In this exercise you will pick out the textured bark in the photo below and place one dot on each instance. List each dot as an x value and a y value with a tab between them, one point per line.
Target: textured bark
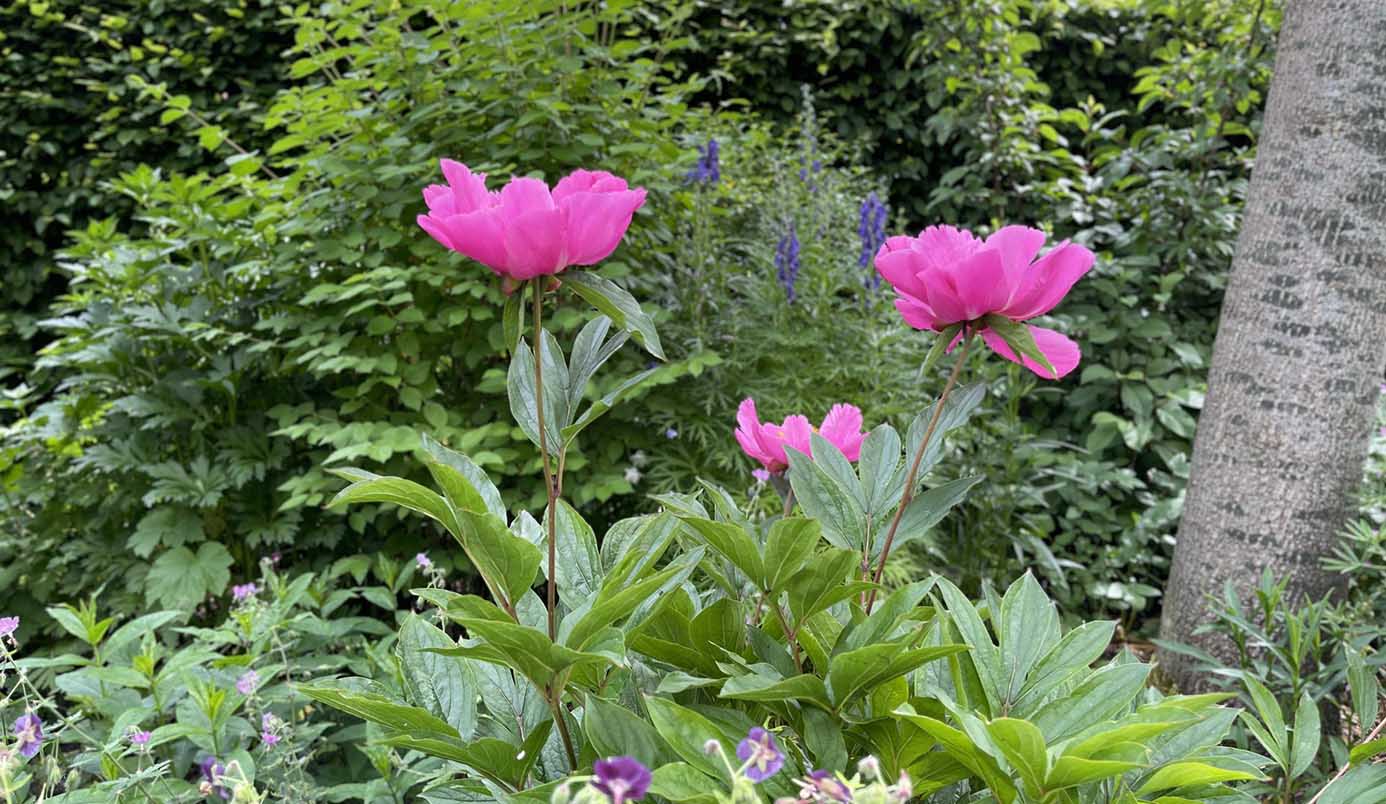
1299	352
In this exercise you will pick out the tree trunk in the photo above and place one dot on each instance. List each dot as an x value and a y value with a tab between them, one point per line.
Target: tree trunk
1293	385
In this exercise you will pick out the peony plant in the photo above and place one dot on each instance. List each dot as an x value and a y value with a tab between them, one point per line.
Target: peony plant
704	654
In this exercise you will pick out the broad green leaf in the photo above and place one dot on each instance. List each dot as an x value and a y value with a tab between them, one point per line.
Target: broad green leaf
1024	748
1275	736
489	757
441	684
790	544
823	582
1365	784
927	508
636	543
823	738
1074	654
479	487
983	654
614	302
1367	750
1362	683
1184	774
824	498
367	487
613	730
579	565
508	561
803	688
524	407
940	346
734	544
591	350
882	475
830	459
684	784
1070	771
962	748
1308	732
513	319
688	732
957	409
858	671
393	715
886	618
1029	627
615	602
526	650
1100	696
182	579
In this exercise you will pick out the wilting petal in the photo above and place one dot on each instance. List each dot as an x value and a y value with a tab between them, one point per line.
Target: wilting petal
468	189
901	267
535	244
842	427
915	312
1048	281
524	195
596	222
1018	246
1062	353
586	181
981	283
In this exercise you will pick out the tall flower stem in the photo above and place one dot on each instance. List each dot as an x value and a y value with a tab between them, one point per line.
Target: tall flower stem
550	486
908	494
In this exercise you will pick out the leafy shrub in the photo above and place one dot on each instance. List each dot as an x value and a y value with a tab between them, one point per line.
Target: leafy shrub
283	314
72	121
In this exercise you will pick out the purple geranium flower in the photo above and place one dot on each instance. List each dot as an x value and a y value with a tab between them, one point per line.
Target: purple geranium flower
423	560
29	729
761	756
248	682
761	475
622	779
212	773
823	785
8	625
242	591
140	738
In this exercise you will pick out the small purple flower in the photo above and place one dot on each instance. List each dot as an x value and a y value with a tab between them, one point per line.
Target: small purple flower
212	773
871	231
622	779
671	434
822	785
140	738
242	591
787	261
708	169
761	475
760	754
248	682
274	558
29	729
269	738
423	561
8	625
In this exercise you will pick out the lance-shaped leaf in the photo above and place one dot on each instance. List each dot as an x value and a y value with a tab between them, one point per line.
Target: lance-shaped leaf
367	487
526	650
520	388
466	485
614	302
732	543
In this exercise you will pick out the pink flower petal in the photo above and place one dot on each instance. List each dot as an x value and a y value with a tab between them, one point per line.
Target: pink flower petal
749	434
468	189
1018	246
535	243
1048	281
945	246
523	195
901	267
439	199
797	433
1062	353
915	312
943	297
478	235
584	181
436	230
596	222
981	283
842	427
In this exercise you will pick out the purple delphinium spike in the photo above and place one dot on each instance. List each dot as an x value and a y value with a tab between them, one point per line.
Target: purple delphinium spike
787	261
760	754
871	231
708	168
29	731
621	779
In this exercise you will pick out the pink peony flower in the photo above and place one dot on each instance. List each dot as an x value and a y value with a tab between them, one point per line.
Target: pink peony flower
766	442
524	230
947	276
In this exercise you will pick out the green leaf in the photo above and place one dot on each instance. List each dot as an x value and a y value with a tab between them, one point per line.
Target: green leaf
378	709
687	732
606	403
614	302
526	650
367	487
1023	745
478	494
1029	626
1365	784
940	346
1362	683
1074	654
513	319
856	672
791	544
733	543
1184	774
802	688
591	350
882	475
441	684
928	508
1099	697
509	562
170	526
1070	771
181	579
1019	338
1275	736
68	619
617	600
962	748
823	497
1308	733
520	388
579	565
613	730
494	759
1367	750
684	784
821	583
983	653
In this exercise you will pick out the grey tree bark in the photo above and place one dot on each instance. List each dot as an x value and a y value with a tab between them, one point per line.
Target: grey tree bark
1299	352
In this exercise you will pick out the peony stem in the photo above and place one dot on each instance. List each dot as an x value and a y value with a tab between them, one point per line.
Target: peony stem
552	490
908	493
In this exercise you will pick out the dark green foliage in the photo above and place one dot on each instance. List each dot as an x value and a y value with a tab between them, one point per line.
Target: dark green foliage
72	121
